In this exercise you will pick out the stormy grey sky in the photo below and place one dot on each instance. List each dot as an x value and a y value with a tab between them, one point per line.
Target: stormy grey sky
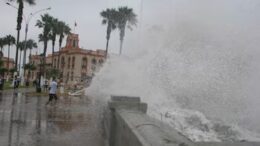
87	15
156	14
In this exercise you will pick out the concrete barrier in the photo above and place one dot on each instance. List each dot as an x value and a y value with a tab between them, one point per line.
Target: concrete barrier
126	124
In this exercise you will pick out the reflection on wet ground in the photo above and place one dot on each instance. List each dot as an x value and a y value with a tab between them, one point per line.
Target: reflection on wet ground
26	121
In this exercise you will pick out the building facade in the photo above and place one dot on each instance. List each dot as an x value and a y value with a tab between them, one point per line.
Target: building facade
74	63
8	64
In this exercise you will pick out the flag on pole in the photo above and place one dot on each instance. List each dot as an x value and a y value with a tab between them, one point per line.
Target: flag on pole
75	25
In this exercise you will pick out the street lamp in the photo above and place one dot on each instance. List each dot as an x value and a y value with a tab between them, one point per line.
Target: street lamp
27	21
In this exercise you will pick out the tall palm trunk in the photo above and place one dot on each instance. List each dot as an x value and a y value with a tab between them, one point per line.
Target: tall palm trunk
8	58
107	47
122	35
121	45
44	54
19	22
53	45
30	55
60	43
108	36
20	61
43	62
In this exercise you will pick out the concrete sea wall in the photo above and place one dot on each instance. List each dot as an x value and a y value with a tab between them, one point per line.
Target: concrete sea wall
127	124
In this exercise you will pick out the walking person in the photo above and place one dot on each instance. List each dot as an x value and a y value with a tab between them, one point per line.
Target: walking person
53	90
16	82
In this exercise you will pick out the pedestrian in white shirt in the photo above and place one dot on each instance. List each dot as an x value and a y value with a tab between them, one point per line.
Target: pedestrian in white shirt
53	90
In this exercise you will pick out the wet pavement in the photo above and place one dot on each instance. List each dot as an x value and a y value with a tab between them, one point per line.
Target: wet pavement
27	121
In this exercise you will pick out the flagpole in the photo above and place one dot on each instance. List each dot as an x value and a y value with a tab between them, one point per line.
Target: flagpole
75	25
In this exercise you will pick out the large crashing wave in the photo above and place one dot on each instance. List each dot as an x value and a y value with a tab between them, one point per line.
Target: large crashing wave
199	74
125	76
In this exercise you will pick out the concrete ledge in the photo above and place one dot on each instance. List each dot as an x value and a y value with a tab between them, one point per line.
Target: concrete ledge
126	124
130	103
125	98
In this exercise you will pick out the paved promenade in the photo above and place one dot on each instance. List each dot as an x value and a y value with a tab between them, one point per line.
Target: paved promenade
27	121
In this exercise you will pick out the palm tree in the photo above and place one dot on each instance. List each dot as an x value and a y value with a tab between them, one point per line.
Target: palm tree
63	29
109	19
46	24
2	43
29	67
27	45
126	17
19	22
10	40
30	45
54	32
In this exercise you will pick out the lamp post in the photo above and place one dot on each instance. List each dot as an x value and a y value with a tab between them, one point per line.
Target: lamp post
27	21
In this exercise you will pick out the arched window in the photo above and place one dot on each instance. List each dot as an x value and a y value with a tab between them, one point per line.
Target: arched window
73	61
84	63
68	76
55	61
74	43
72	75
69	62
62	62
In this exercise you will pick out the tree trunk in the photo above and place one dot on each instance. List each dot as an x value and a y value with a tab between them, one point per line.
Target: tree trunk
44	56
52	57
20	61
30	55
109	29
121	46
17	49
60	43
8	59
25	49
19	22
107	47
122	35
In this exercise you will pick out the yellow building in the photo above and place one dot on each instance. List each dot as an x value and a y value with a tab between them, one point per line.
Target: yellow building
74	63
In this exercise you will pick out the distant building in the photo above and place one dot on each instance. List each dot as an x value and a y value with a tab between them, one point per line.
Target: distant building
74	63
8	65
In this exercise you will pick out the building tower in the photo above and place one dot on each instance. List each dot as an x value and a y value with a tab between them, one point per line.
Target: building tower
73	41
